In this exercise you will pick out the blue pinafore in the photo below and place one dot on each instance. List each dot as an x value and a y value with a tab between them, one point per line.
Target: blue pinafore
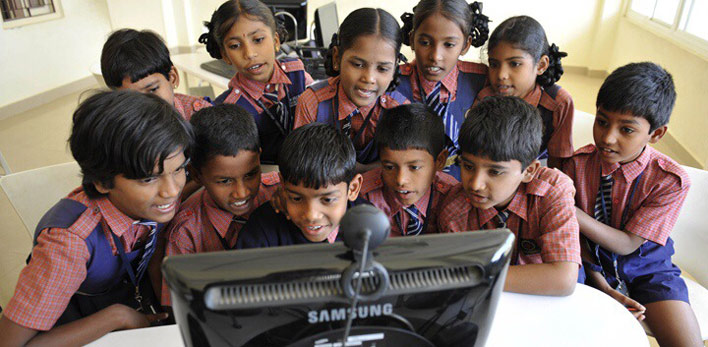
327	112
106	281
468	86
271	134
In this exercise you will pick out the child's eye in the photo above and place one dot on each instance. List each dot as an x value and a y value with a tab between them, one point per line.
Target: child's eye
423	42
251	174
388	167
235	46
415	167
495	172
258	39
450	44
493	64
627	130
357	65
224	181
600	122
149	179
153	90
515	64
468	167
328	201
294	198
384	69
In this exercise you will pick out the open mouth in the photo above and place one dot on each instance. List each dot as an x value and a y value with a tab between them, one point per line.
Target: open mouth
365	93
255	68
167	207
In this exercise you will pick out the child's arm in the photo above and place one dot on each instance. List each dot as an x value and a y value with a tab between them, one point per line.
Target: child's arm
596	280
79	332
306	109
617	241
542	279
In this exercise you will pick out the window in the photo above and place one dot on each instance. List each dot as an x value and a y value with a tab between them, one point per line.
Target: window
22	12
683	21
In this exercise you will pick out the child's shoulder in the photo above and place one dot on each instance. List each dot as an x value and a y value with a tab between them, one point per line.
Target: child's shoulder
663	164
197	103
270	179
444	182
472	67
455	195
372	181
393	99
549	180
554	97
291	64
322	90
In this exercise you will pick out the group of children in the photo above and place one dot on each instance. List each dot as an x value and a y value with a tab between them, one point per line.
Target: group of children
439	144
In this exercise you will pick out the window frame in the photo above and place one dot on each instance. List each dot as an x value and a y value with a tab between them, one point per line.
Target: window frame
671	31
16	23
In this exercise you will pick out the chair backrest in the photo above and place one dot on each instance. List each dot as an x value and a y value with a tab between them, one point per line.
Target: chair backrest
582	128
33	192
690	233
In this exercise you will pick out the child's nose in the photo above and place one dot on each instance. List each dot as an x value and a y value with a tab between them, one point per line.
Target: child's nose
170	187
436	53
312	213
477	182
240	191
402	178
367	75
249	52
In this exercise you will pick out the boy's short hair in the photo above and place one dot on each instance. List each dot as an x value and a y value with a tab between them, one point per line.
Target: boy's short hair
643	89
134	54
502	128
411	126
223	129
125	132
317	155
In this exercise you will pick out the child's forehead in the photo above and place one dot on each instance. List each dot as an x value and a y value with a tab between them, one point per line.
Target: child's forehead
152	78
622	117
247	25
243	159
486	161
373	48
302	189
404	155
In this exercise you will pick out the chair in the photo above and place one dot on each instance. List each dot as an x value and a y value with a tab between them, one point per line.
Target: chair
24	198
582	128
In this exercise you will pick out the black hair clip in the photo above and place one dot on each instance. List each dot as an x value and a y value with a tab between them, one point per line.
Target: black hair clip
479	24
554	52
402	58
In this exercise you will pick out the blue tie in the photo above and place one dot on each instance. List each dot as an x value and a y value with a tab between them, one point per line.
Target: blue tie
279	109
451	127
604	198
414	225
347	123
503	217
148	249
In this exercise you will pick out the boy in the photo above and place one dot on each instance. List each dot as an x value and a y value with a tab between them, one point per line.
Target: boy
409	186
75	289
504	186
629	197
319	181
140	61
226	161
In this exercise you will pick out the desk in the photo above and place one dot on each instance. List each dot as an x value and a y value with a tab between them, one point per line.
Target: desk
585	318
189	63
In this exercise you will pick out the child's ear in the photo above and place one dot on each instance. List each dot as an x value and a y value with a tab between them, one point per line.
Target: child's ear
335	58
542	65
441	160
468	44
657	134
530	171
173	77
101	188
276	39
355	187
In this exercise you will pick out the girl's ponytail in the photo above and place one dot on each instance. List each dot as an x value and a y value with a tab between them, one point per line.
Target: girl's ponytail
329	57
407	19
479	25
554	71
212	46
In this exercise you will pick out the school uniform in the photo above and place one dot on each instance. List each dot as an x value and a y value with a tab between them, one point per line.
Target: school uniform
556	108
83	250
266	228
326	102
451	99
186	105
272	104
402	217
201	226
644	197
541	215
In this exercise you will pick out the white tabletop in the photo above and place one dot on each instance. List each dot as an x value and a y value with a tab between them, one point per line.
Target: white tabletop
585	318
190	63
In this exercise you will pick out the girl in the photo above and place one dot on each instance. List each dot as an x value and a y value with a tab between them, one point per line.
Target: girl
439	32
363	59
521	63
244	34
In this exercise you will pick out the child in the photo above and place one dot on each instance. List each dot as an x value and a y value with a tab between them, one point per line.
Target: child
132	150
363	58
319	180
244	34
629	197
522	64
439	32
504	186
225	160
140	61
409	186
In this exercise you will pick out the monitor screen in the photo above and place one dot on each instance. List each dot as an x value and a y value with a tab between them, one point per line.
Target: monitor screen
442	291
326	24
298	9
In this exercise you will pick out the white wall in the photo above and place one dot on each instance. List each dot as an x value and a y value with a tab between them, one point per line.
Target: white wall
52	54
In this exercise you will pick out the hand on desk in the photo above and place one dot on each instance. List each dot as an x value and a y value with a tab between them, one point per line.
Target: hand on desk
132	319
598	281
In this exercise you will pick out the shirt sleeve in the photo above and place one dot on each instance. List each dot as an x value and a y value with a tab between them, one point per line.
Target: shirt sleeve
657	215
47	283
560	145
306	109
308	79
560	234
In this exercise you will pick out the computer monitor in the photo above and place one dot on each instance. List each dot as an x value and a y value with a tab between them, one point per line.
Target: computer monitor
326	24
442	291
297	8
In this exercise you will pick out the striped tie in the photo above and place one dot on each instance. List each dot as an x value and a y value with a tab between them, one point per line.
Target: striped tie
270	98
347	123
503	216
148	249
604	193
414	225
451	127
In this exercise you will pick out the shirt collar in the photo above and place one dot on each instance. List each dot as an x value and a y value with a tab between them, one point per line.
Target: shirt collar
519	203
449	82
220	219
255	89
534	96
396	206
346	106
630	170
117	221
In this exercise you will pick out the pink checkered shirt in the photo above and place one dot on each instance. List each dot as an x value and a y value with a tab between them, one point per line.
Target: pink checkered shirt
657	200
542	212
193	228
560	145
448	92
253	90
374	191
306	111
60	259
186	105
